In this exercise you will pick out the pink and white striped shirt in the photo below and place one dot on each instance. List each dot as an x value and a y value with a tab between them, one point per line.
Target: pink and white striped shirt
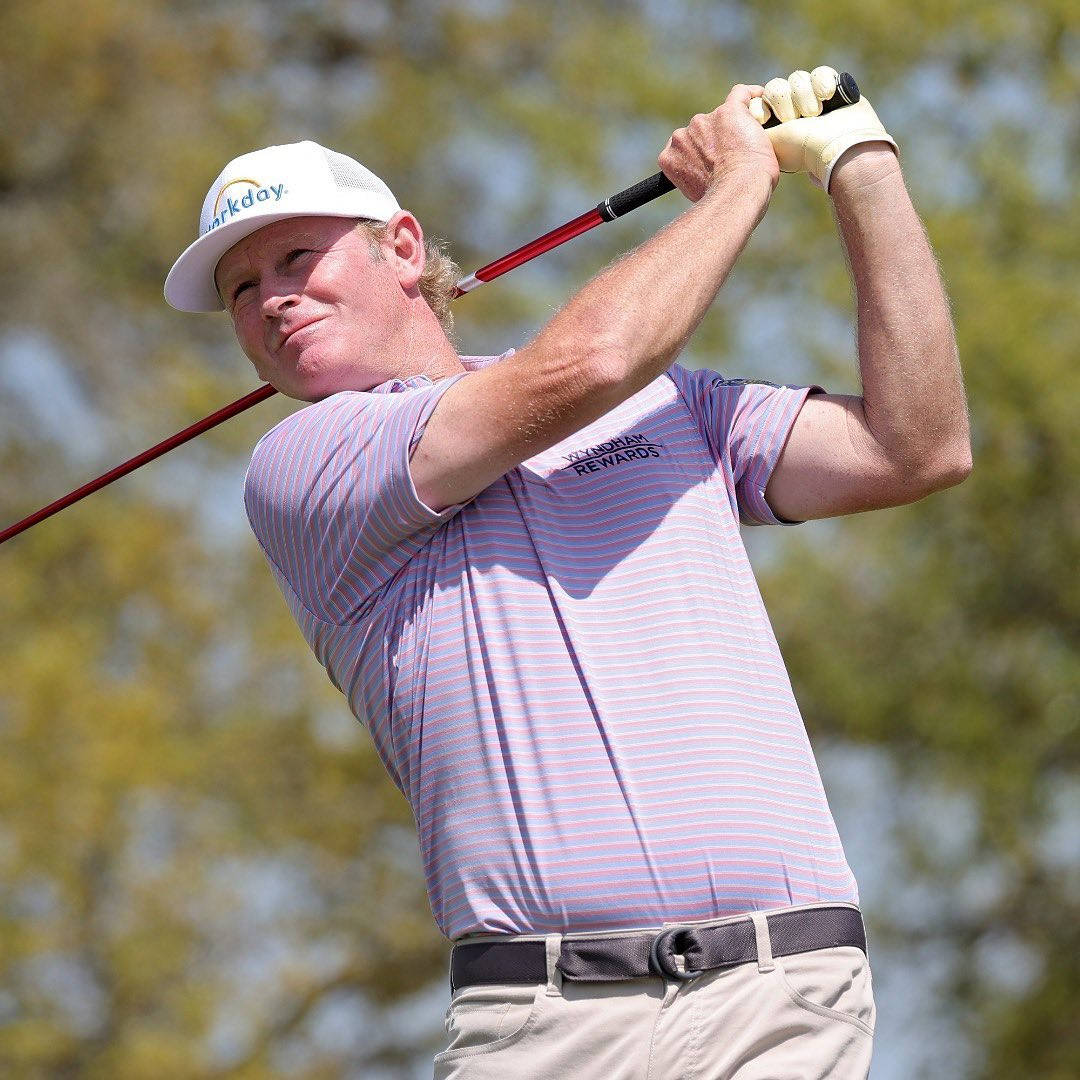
572	677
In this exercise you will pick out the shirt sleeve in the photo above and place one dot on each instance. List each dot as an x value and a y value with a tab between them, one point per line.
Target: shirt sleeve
331	500
745	425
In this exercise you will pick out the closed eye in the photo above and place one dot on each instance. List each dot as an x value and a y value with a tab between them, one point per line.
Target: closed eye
244	285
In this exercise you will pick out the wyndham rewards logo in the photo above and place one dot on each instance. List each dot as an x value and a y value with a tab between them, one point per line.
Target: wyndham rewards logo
617	451
227	205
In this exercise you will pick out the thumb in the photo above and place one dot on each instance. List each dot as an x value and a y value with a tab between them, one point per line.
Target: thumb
742	93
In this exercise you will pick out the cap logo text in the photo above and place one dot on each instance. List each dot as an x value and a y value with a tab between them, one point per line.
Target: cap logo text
225	205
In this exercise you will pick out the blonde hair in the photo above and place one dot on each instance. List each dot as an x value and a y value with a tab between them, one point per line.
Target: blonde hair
440	274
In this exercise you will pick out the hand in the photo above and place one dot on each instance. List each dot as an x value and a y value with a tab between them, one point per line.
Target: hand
806	140
716	145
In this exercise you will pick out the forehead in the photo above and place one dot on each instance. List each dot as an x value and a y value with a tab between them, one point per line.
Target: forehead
311	231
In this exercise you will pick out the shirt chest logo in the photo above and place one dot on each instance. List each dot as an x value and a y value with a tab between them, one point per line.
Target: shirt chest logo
622	451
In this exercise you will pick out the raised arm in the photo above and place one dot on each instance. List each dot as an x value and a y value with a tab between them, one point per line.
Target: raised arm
622	330
907	435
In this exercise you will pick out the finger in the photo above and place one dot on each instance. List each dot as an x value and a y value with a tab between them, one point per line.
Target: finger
759	109
778	95
823	79
802	94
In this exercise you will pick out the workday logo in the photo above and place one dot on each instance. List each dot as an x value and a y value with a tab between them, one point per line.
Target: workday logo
229	203
618	451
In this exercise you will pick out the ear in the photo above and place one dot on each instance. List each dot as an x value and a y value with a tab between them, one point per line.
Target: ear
403	248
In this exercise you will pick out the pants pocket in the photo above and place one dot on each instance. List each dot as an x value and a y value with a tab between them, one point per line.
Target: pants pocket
832	983
485	1019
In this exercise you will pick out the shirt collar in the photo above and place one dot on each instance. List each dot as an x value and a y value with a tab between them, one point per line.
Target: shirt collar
414	382
395	386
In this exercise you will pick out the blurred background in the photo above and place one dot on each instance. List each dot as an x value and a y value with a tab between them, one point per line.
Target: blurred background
204	871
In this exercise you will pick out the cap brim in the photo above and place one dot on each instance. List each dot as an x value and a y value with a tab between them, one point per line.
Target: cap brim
190	285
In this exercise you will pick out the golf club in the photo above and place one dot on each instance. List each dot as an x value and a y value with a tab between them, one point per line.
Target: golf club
615	206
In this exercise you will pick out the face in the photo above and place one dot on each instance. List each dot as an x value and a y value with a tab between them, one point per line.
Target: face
313	309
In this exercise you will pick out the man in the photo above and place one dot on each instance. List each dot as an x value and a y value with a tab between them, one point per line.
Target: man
526	575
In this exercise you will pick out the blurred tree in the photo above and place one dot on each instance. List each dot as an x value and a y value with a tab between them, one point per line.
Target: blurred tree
202	865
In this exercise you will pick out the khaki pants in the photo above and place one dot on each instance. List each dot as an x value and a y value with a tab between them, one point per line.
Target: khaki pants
799	1017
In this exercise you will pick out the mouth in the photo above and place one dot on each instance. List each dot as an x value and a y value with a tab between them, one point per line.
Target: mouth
287	336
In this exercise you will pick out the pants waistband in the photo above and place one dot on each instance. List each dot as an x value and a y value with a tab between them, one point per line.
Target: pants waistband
678	951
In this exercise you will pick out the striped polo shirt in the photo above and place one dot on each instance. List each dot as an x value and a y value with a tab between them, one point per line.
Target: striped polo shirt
572	677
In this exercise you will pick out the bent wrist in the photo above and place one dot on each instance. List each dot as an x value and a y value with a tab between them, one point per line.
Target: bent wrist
752	187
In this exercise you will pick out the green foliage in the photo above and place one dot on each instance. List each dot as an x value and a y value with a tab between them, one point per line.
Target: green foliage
199	851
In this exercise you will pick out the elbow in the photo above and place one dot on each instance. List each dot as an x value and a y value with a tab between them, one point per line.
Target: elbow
955	463
603	368
606	364
945	470
962	467
560	373
577	349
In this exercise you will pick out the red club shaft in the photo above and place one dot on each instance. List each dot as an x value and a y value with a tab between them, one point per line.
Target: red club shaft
132	464
529	251
486	273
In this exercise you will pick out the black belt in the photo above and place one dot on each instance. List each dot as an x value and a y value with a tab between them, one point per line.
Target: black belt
641	955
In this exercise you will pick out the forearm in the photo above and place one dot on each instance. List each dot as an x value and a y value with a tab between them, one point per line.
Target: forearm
913	392
623	329
634	317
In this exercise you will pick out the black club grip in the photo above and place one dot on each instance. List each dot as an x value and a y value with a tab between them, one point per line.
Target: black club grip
634	196
622	202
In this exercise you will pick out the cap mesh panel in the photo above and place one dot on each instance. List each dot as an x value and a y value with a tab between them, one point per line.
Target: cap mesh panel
345	172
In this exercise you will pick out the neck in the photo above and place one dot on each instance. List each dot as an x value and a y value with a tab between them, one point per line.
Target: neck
420	346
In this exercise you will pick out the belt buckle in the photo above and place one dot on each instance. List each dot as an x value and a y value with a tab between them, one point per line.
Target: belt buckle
661	958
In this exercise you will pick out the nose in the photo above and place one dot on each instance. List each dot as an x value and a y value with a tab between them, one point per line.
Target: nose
277	297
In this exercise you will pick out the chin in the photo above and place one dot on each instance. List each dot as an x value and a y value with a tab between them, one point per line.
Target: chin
294	385
313	378
317	389
317	375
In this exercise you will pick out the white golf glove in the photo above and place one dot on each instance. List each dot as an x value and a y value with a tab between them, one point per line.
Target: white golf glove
806	140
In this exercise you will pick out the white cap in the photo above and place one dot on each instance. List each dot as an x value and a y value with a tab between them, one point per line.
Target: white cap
253	190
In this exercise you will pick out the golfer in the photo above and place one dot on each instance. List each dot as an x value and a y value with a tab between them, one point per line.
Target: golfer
526	575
